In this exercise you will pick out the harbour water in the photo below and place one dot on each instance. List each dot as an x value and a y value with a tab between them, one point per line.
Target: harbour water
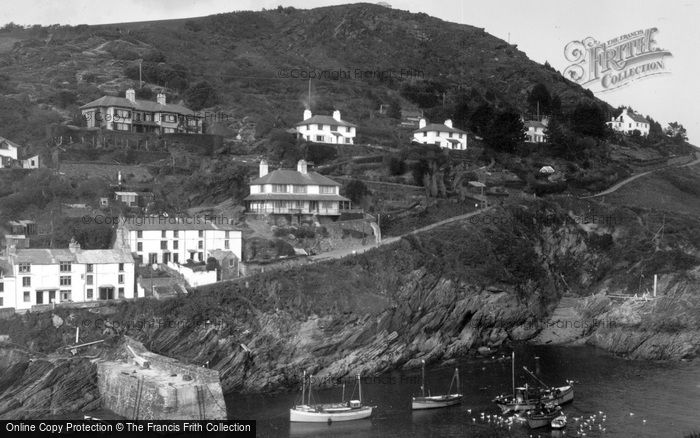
637	399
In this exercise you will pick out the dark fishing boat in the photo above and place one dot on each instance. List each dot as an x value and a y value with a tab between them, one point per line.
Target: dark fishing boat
542	415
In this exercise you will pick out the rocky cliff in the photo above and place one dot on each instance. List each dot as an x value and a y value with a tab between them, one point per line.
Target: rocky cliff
485	282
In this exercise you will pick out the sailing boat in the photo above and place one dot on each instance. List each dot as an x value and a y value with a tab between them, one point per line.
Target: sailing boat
527	398
328	412
437	401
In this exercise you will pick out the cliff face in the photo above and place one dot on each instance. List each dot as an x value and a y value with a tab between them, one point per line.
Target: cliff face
434	296
38	388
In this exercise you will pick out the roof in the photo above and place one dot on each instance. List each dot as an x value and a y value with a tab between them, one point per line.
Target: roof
476	184
288	176
636	117
140	105
47	256
5	142
534	124
221	254
547	169
159	223
324	120
293	197
438	127
126	193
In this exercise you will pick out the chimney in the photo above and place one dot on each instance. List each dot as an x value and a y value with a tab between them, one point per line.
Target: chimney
301	167
263	168
307	114
160	98
421	123
73	246
448	123
336	115
11	249
119	177
131	95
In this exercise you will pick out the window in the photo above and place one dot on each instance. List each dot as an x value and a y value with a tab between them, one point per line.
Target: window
163	244
26	296
226	245
327	190
176	244
176	257
279	188
451	134
121	267
25	267
200	256
2	287
88	279
88	267
64	266
176	233
139	246
121	292
139	234
200	244
319	127
121	126
425	133
227	234
123	114
120	279
1	302
201	233
89	294
319	138
298	189
334	127
65	295
65	280
162	234
27	281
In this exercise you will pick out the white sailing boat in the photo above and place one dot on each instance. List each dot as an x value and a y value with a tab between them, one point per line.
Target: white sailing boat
328	412
437	401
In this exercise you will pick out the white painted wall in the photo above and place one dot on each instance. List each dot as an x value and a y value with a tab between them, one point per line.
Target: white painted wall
432	137
187	243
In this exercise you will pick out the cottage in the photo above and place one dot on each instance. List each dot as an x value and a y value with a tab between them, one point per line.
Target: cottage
172	239
31	162
300	192
535	131
128	198
228	264
44	276
326	129
8	152
443	135
129	114
628	122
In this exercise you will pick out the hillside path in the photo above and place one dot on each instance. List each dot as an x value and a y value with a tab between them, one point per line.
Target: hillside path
639	175
345	252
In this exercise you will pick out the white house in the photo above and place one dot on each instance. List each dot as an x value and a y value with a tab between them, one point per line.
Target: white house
31	162
45	276
135	115
326	129
443	135
535	131
128	198
628	122
172	239
300	192
8	152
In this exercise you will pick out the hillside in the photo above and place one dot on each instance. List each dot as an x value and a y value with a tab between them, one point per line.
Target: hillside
414	60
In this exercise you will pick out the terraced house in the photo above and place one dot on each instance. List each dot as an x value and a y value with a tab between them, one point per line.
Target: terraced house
443	135
31	277
129	114
295	192
175	240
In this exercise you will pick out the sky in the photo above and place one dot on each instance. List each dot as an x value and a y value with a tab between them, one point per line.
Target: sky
540	28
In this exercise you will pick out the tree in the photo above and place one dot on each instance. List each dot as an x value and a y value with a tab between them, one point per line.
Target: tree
589	119
356	190
676	131
201	95
212	264
506	132
539	100
481	118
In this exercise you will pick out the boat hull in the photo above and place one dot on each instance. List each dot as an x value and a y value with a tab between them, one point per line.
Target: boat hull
310	415
565	395
540	421
559	422
439	401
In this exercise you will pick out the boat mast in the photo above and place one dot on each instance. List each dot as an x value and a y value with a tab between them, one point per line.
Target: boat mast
311	376
303	388
342	399
459	387
359	383
512	362
422	380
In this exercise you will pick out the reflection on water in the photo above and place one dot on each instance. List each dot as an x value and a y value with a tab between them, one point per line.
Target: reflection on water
625	398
